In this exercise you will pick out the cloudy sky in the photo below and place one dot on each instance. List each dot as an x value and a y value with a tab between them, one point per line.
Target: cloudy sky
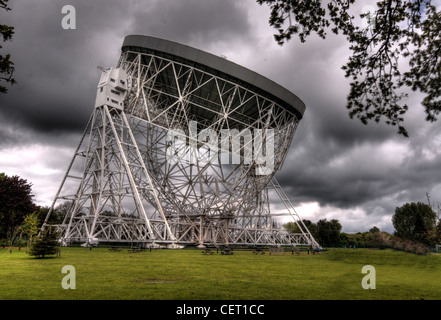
337	168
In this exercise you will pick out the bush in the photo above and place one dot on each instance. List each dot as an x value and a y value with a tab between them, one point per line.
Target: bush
383	240
421	249
380	240
396	243
409	246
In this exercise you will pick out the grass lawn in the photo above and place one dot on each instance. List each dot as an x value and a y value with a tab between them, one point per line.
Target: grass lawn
190	275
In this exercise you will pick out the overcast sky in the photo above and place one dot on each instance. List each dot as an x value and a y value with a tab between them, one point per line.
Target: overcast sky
336	168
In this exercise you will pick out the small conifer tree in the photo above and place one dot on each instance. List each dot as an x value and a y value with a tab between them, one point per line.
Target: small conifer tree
45	244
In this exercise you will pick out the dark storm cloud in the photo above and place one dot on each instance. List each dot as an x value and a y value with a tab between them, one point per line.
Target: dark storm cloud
338	161
193	22
56	81
56	68
350	165
325	169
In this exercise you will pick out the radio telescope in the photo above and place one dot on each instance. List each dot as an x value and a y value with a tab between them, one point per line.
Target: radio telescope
181	149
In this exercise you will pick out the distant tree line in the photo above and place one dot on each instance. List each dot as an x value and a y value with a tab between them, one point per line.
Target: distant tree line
417	228
417	225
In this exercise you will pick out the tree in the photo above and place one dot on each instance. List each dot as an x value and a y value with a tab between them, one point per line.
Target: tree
374	229
45	244
398	31
379	240
30	227
6	65
292	227
435	235
62	210
16	202
325	232
328	232
415	222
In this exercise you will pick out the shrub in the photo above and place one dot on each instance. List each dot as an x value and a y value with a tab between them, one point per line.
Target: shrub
408	246
380	240
397	244
421	249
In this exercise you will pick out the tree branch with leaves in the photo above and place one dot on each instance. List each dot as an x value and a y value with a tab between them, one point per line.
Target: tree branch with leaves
6	65
403	31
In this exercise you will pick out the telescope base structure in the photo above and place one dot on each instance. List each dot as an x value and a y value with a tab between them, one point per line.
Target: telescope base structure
119	200
127	231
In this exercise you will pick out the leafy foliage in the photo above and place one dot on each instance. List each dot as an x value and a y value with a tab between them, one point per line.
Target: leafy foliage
397	31
415	222
16	202
325	232
30	226
6	65
328	232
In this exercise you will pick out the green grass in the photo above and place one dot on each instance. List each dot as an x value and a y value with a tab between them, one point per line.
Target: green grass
190	275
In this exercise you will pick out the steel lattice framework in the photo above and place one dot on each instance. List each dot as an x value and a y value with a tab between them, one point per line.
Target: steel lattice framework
156	169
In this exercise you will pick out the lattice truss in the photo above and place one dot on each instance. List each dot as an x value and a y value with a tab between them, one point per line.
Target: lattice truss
141	174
